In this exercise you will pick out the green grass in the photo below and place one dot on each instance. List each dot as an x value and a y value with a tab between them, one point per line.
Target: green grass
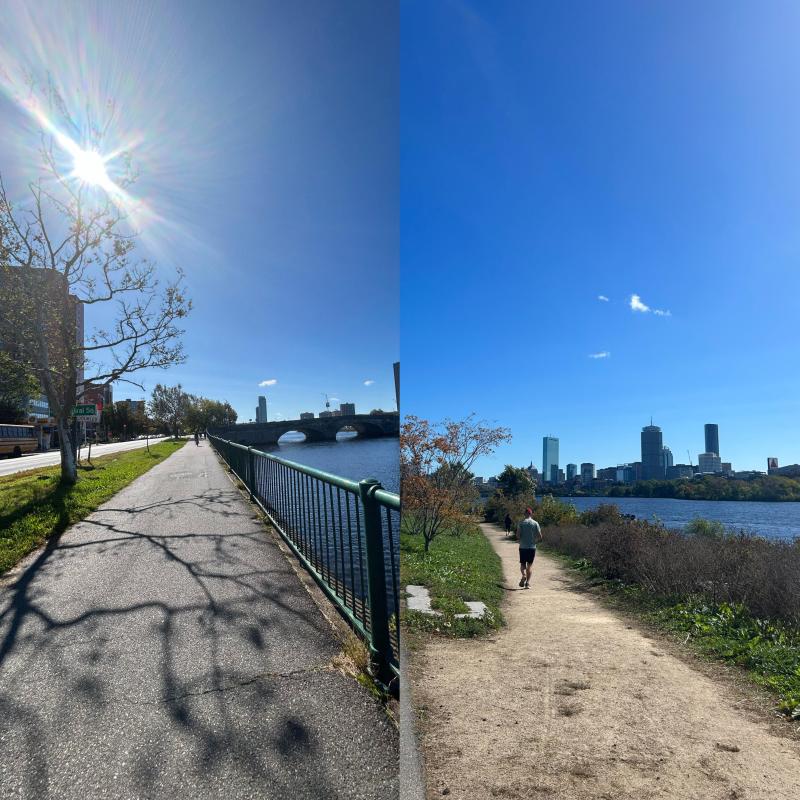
34	507
457	567
768	651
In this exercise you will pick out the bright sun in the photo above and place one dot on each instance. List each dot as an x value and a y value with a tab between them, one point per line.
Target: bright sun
90	167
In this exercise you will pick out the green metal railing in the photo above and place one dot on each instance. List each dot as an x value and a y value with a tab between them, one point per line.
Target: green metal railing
346	534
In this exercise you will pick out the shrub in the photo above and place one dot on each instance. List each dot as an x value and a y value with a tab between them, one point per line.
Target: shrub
711	529
759	574
604	513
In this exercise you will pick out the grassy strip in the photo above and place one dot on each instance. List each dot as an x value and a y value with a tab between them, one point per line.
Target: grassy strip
769	651
34	507
458	567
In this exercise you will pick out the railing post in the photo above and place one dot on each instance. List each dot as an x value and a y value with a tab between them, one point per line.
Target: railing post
376	580
251	472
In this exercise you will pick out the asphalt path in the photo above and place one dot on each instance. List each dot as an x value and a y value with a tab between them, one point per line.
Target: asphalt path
8	466
165	647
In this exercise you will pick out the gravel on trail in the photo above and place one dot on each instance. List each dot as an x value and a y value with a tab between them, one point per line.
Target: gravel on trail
570	700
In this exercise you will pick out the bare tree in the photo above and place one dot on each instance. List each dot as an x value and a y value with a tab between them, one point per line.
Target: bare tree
71	247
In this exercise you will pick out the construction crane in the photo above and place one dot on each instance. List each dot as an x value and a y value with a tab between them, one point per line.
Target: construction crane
690	458
327	401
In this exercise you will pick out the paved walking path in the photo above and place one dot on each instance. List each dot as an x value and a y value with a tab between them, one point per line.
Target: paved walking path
165	648
570	701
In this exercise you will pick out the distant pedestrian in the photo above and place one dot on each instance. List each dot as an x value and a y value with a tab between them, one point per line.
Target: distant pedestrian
197	438
509	523
530	534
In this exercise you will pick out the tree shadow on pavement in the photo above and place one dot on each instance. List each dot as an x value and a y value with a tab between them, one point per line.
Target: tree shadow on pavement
189	626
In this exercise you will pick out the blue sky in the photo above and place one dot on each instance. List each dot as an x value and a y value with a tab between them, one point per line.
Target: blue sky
552	153
266	138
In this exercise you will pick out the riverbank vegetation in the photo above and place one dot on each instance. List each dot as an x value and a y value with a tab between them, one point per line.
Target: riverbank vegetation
736	597
35	505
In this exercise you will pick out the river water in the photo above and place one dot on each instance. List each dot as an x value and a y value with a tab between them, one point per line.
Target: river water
347	457
772	520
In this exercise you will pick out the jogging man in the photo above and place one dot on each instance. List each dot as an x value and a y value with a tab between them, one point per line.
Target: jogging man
529	534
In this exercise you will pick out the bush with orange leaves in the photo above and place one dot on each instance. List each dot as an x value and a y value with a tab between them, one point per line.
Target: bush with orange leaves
435	462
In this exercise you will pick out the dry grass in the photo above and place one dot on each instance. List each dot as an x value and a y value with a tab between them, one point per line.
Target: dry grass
742	569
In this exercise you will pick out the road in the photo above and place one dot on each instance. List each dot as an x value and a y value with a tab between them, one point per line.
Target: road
8	466
166	648
571	700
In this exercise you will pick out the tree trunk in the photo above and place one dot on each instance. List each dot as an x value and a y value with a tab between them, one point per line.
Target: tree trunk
69	467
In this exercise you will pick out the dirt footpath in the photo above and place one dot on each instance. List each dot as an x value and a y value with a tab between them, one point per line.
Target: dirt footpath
570	701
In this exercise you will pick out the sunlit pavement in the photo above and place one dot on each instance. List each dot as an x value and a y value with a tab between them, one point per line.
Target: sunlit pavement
165	647
8	466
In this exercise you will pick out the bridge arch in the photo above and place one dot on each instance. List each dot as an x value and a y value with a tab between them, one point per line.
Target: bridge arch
363	429
310	434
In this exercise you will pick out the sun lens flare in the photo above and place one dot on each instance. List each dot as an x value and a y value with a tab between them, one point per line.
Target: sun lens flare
90	167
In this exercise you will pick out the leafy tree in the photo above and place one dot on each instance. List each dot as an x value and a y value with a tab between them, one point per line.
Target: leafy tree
121	420
205	413
68	248
17	384
435	462
169	407
515	481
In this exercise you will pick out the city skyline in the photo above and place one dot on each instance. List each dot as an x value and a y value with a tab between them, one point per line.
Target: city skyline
553	445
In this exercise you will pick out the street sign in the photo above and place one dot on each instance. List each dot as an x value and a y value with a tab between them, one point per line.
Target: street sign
84	410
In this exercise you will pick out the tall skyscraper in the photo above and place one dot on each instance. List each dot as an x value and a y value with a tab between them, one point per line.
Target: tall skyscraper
549	457
261	411
587	472
666	458
572	471
712	438
652	453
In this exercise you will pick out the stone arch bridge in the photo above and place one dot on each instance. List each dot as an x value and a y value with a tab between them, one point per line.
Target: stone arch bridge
319	429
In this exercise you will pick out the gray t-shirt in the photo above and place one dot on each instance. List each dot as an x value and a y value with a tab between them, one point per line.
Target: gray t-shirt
528	531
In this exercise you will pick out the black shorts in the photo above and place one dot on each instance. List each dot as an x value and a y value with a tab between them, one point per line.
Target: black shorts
526	555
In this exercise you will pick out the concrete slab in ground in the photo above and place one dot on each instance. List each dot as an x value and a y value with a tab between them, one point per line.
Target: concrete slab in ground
419	599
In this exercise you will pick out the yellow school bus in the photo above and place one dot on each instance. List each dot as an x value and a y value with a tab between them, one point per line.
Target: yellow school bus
17	439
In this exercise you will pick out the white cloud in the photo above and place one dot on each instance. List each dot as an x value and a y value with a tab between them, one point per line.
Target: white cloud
638	305
334	400
270	382
602	354
602	297
369	382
